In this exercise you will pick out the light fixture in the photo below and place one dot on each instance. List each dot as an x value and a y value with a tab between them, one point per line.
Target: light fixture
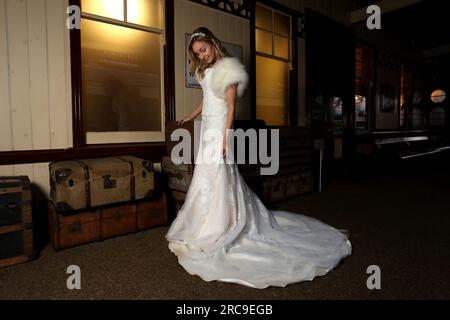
438	95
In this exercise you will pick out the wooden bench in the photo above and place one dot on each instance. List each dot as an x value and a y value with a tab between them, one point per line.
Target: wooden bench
409	147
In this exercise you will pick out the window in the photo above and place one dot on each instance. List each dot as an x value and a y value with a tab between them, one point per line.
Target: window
122	70
363	83
273	64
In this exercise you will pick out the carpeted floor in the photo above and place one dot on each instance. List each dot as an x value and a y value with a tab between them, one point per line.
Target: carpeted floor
398	221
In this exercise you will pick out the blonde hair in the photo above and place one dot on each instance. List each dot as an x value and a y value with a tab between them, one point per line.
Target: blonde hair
205	35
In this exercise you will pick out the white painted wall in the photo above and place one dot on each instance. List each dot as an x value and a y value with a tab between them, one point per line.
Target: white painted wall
35	86
228	28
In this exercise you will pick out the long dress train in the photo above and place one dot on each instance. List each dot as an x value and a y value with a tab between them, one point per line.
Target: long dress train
224	232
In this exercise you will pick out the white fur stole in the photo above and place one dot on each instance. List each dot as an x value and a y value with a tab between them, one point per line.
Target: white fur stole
228	71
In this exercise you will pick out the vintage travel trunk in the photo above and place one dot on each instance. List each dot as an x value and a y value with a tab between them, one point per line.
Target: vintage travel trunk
293	185
295	175
16	225
90	225
306	182
83	184
178	176
274	188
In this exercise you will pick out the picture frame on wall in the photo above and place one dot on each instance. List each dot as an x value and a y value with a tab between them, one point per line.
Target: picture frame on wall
336	110
337	115
190	78
387	98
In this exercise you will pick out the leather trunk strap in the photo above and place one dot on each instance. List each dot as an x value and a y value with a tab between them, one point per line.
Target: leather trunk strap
132	178
87	183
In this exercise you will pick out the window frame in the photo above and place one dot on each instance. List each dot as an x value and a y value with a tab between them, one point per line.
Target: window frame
292	112
168	83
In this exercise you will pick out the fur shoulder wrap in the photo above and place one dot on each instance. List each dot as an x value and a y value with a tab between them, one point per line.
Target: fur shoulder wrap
228	71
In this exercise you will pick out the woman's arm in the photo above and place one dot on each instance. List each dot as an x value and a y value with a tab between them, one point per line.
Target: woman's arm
192	116
231	104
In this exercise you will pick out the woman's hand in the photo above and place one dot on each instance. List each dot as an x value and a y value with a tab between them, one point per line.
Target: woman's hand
192	116
183	121
224	147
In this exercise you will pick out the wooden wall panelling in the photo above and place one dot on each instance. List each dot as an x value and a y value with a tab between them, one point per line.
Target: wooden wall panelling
57	69
41	177
5	111
19	78
6	171
24	170
39	99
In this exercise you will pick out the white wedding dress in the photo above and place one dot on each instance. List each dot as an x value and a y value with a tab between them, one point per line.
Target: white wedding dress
224	232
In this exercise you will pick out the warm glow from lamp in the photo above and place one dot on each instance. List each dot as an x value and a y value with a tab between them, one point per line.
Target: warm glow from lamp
113	9
145	13
133	13
437	96
99	35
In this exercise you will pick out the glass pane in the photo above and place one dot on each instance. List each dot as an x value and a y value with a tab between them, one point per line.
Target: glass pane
145	12
263	18
121	70
263	41
272	91
282	47
113	9
282	24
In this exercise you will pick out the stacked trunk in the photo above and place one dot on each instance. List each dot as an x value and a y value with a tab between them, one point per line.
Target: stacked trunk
295	175
84	226
178	178
16	225
95	199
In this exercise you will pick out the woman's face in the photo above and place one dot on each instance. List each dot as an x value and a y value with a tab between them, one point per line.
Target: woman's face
204	51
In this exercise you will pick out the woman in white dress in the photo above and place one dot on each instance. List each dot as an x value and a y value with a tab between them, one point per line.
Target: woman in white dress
223	231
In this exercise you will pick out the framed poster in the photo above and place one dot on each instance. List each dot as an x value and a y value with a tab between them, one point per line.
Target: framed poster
191	79
336	110
337	115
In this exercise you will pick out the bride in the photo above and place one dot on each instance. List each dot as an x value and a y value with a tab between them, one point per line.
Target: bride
223	231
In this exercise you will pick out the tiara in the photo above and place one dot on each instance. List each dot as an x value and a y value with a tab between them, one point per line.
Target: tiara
198	34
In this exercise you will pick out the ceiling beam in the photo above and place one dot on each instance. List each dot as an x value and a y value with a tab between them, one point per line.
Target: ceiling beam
385	6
